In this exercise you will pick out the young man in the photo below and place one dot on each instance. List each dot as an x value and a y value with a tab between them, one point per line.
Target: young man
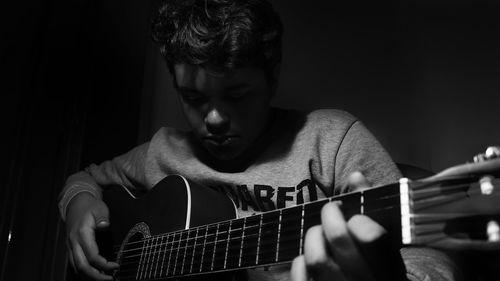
224	56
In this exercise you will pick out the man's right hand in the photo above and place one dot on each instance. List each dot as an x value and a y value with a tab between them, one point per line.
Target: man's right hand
85	215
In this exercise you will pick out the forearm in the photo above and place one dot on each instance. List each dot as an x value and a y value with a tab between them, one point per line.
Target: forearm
76	184
126	170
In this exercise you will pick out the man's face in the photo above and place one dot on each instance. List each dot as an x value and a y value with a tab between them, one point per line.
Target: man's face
226	111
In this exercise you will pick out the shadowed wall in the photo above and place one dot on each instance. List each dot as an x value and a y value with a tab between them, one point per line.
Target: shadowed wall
422	76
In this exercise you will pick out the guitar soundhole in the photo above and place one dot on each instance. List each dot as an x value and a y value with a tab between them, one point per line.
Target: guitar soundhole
130	253
129	258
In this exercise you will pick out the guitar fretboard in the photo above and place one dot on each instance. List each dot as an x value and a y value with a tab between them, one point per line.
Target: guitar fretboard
268	238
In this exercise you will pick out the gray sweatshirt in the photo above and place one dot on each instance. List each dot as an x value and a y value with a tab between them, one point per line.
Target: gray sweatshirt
303	158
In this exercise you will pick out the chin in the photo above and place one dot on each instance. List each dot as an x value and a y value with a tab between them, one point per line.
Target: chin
225	155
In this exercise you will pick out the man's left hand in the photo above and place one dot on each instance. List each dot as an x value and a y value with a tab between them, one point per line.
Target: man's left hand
340	250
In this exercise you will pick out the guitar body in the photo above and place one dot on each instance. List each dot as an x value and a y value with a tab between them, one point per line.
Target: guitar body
173	204
183	230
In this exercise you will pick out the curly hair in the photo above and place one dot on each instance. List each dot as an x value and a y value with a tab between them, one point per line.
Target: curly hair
222	34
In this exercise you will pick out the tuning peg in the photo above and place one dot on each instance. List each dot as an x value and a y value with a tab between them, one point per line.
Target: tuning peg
490	153
486	185
493	231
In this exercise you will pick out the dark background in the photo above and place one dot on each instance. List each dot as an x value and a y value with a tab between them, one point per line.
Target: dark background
82	82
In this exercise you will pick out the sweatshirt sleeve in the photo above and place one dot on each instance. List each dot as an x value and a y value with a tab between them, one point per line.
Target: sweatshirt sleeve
127	170
360	151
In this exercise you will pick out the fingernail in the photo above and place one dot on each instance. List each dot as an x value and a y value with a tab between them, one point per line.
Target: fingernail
102	223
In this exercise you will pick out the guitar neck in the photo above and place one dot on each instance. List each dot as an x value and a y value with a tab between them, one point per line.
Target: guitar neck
265	239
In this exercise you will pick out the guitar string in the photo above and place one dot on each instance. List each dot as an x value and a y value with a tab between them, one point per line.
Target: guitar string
311	213
226	241
219	259
275	212
429	190
223	224
153	261
175	272
415	190
212	235
200	268
152	254
158	253
233	246
387	197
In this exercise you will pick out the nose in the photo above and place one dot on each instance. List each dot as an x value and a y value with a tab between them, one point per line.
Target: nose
217	123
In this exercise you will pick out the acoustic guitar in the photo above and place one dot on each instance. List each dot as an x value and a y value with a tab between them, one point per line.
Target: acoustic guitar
182	229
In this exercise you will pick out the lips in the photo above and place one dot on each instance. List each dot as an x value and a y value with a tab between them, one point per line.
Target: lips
220	140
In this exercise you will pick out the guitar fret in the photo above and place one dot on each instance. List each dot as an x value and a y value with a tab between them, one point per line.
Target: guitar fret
190	247
164	253
150	258
152	253
185	252
170	253
172	266
156	253
152	262
141	260
210	248
194	251
227	243
301	245
251	226
215	246
362	201
279	236
204	246
199	248
290	233
268	236
258	241
234	243
177	253
148	255
242	240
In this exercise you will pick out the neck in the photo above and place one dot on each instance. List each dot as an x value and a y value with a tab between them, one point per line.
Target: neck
248	156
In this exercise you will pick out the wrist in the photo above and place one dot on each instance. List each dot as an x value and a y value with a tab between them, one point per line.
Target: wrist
78	203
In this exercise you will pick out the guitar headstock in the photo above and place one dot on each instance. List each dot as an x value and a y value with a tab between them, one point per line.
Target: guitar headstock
458	208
